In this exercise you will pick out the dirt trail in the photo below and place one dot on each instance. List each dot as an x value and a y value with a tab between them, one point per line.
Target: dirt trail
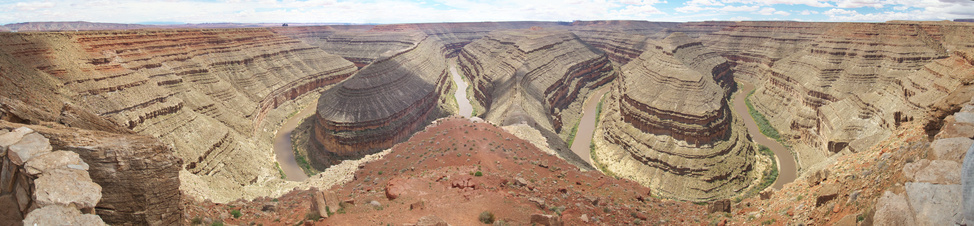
282	144
787	172
583	137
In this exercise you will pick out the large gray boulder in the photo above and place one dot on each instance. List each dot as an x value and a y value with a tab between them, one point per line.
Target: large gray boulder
67	187
893	209
31	145
60	215
967	179
935	204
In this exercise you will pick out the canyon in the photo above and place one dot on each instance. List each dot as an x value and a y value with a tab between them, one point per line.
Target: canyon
180	124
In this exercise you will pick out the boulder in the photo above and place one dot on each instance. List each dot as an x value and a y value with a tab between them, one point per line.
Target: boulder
544	219
30	146
60	215
394	188
318	204
848	220
893	209
817	177
951	148
55	160
967	180
11	138
939	172
910	169
67	187
723	205
766	194
826	193
431	220
935	204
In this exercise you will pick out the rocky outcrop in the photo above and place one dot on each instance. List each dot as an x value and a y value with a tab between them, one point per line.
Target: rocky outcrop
36	181
534	77
360	47
383	104
206	93
934	192
137	175
679	138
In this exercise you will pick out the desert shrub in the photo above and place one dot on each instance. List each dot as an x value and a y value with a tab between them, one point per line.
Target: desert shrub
235	213
487	217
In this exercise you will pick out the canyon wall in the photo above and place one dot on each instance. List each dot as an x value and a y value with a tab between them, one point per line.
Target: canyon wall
535	77
382	104
206	93
667	124
853	83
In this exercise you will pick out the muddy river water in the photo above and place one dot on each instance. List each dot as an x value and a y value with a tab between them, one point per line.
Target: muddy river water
787	171
282	144
465	108
586	127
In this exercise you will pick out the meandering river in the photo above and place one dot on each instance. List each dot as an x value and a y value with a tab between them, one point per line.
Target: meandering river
586	127
787	172
282	144
461	94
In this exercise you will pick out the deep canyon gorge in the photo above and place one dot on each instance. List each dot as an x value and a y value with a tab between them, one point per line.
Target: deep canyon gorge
584	122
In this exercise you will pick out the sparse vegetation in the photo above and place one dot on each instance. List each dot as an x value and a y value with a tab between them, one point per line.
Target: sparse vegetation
235	213
478	173
486	217
763	124
312	216
280	171
196	221
217	222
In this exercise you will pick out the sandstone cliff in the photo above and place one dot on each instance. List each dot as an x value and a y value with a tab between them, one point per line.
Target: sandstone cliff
382	104
539	78
857	82
667	125
206	93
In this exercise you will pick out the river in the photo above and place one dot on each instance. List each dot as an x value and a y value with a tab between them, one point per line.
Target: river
787	172
586	127
282	144
461	94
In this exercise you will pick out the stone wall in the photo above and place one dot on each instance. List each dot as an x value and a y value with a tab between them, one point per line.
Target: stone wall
43	187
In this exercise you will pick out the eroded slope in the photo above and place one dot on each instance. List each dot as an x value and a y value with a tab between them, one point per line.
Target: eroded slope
667	125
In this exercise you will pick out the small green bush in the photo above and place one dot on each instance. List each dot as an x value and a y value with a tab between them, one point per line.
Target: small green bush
478	173
235	213
487	217
312	215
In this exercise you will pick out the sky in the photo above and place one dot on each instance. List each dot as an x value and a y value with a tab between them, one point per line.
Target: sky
419	11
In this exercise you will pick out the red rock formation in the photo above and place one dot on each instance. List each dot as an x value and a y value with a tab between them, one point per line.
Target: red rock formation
535	77
383	104
679	137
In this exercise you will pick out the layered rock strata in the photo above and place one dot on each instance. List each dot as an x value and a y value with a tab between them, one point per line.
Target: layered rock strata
206	93
360	47
667	125
457	35
382	104
633	27
618	45
858	81
755	46
534	77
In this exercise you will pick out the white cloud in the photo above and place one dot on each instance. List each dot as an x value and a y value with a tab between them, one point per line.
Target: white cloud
813	3
740	8
833	12
740	18
808	12
859	3
32	6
